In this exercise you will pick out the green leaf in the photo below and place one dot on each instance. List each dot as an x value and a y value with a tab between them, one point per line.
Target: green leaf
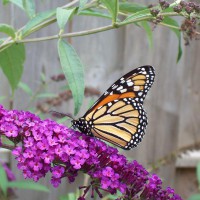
38	19
26	88
7	141
46	95
69	196
148	30
167	10
113	7
131	7
173	23
5	2
3	181
74	72
194	197
96	13
82	4
63	16
28	185
9	30
198	174
18	3
138	15
29	7
11	62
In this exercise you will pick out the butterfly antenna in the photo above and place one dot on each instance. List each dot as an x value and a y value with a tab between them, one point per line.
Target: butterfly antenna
61	114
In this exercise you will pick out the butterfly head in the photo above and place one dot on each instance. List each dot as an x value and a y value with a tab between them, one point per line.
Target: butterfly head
83	125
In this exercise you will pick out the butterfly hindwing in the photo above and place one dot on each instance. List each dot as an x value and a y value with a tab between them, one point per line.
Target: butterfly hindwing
120	122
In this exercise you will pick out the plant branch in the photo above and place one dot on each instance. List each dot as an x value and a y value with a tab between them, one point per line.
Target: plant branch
80	33
147	17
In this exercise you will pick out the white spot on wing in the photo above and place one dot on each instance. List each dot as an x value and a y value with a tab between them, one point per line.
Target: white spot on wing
109	104
129	83
139	93
119	88
124	90
136	88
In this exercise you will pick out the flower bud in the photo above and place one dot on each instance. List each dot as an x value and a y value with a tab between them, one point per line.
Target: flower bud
154	12
162	2
189	9
166	5
197	8
191	4
183	3
177	8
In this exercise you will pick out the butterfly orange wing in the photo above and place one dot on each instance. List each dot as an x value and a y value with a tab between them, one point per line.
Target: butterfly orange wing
118	115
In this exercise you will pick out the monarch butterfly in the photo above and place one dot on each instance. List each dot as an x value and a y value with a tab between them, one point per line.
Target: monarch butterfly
118	116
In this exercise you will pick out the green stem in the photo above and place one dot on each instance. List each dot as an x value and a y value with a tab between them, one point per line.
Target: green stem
170	26
75	34
11	102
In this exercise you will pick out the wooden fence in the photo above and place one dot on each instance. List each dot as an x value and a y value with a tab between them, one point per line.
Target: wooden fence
173	104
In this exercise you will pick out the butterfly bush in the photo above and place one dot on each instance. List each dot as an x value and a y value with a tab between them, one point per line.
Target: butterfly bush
43	146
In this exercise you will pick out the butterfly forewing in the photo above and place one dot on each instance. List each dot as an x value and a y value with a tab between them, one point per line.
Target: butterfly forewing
118	115
134	84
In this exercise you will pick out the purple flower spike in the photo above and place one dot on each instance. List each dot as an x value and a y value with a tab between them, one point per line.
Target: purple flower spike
51	147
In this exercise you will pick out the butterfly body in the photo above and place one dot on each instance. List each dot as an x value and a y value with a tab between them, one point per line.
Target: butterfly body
118	115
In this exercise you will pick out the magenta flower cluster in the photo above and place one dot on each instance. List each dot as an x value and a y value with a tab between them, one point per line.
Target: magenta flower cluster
43	146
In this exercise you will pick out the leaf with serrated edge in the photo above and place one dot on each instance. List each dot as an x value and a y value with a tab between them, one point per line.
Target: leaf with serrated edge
82	4
63	16
173	22
11	62
131	7
113	7
39	18
18	3
29	7
148	30
137	15
8	30
73	70
95	13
